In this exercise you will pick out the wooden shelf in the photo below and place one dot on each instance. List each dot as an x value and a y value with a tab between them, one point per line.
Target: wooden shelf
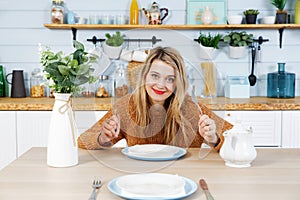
174	27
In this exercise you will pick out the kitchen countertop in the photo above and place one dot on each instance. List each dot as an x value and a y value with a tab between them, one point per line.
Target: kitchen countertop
219	103
274	174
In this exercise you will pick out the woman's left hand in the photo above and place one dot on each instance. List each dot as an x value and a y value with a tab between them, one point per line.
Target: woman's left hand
207	129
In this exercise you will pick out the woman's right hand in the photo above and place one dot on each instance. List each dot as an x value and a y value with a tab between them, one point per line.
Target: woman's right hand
110	129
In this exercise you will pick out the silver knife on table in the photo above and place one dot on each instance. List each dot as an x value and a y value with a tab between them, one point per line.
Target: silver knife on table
204	187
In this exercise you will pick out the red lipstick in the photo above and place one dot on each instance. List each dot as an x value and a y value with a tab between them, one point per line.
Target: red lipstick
158	92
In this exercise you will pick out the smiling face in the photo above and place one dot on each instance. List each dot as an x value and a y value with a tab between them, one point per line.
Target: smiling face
160	81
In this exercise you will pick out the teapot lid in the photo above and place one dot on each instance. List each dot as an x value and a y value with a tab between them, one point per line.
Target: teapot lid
239	128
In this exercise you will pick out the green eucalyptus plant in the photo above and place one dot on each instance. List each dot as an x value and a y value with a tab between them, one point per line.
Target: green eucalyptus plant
251	12
65	73
114	40
209	40
237	39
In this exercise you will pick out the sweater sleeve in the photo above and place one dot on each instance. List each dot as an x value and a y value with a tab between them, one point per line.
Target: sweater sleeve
89	138
221	124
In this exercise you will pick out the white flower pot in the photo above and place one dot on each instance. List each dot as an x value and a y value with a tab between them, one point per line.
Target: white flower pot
207	53
237	52
62	150
112	52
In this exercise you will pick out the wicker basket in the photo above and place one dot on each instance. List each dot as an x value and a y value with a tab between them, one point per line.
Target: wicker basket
133	70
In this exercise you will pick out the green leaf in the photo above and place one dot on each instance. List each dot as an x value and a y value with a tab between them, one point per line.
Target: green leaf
83	69
64	70
78	45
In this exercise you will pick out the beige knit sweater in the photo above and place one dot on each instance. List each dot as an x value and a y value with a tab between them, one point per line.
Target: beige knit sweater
152	134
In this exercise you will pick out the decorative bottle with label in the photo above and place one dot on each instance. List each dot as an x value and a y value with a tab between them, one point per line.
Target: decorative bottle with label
134	12
57	12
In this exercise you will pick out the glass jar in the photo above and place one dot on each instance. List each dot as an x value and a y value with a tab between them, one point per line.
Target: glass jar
120	84
57	12
37	88
281	84
104	86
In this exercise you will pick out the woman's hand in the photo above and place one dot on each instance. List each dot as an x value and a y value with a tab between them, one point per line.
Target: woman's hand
110	129
207	129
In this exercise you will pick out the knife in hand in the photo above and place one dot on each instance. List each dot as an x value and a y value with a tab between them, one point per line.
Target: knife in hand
204	187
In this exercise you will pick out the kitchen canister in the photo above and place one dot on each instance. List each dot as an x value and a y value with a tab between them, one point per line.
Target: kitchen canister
281	84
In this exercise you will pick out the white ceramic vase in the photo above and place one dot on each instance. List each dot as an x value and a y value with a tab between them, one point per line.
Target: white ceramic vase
207	53
62	150
112	52
237	52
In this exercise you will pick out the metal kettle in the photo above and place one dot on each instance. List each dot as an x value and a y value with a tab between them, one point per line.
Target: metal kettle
17	84
154	14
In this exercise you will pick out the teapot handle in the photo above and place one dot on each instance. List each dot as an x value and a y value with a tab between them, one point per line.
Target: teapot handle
166	13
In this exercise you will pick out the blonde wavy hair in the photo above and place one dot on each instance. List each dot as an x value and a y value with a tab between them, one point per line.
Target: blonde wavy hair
173	104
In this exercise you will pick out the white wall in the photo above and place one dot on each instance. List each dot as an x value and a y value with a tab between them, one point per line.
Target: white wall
22	28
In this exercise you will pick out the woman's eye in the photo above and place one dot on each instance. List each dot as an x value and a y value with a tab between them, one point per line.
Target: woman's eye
154	76
171	80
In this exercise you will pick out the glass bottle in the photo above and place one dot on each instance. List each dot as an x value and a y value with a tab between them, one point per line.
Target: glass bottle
297	12
37	88
134	12
2	85
57	12
119	84
103	86
281	84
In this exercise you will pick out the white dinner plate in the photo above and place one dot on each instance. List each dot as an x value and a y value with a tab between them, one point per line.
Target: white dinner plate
154	152
150	186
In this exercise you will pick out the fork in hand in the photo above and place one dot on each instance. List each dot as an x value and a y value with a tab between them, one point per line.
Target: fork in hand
96	185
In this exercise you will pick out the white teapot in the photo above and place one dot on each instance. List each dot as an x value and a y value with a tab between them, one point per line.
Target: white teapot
238	149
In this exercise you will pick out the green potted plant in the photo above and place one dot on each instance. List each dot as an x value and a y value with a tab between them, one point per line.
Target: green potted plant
113	44
238	41
251	16
281	13
208	44
65	73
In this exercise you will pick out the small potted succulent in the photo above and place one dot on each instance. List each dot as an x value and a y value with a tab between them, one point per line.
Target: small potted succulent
251	16
238	41
208	44
113	44
281	13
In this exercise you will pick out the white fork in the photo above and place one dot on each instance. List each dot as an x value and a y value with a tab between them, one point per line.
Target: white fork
96	185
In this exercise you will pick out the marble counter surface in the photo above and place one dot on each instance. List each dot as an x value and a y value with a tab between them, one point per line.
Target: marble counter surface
219	103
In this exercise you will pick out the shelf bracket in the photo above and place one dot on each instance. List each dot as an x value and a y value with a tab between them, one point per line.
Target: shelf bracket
280	37
74	33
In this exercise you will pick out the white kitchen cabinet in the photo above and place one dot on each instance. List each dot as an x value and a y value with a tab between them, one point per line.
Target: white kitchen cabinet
32	129
266	125
8	149
291	129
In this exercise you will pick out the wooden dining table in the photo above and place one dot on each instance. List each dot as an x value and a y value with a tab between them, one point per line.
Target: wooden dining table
274	174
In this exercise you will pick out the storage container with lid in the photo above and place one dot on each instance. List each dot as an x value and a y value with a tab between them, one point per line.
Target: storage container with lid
37	88
104	86
57	12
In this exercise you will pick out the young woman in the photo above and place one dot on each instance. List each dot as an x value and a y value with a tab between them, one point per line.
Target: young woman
159	111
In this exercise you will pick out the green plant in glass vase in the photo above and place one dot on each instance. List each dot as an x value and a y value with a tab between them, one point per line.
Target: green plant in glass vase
66	73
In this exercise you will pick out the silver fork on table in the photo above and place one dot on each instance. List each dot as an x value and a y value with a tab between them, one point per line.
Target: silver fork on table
96	185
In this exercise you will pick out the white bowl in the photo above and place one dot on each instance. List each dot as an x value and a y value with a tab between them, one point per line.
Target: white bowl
269	19
234	19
